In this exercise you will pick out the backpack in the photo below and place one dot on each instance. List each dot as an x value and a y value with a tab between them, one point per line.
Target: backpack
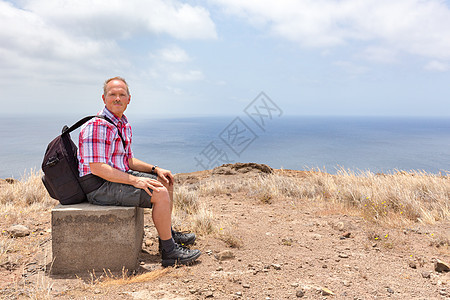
60	166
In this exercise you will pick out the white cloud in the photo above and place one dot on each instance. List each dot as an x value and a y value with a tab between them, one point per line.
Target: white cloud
437	66
351	68
172	63
190	75
120	19
28	34
78	38
380	54
419	27
173	54
29	44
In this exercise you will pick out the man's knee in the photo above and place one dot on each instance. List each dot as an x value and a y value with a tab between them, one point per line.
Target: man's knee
161	196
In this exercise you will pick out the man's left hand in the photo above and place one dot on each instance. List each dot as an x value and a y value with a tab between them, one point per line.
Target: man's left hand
165	175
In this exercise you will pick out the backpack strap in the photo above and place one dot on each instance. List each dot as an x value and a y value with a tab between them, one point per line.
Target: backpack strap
67	130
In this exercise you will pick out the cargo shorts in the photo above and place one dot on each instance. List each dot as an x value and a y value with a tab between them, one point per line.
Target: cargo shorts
119	194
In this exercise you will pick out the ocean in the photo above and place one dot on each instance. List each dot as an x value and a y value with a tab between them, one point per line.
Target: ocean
378	144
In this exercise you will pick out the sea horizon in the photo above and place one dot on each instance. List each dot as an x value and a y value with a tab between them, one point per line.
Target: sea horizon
380	144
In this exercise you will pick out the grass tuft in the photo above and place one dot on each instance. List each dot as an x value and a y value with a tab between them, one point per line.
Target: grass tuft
190	212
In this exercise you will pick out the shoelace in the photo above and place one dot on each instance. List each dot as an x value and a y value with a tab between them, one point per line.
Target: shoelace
180	232
182	248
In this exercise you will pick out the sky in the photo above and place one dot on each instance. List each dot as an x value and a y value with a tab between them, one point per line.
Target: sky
214	57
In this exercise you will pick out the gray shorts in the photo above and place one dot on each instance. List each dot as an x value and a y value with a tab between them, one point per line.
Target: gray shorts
119	194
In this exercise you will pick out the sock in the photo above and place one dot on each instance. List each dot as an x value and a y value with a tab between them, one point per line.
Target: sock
168	245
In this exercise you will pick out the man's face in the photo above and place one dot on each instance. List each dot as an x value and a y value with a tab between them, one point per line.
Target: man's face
116	98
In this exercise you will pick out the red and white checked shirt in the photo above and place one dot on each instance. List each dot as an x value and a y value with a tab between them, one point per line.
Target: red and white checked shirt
99	141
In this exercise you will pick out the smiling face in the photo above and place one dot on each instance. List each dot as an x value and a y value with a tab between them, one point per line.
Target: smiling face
116	97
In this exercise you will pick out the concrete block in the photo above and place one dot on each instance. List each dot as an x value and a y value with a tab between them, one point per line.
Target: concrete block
88	237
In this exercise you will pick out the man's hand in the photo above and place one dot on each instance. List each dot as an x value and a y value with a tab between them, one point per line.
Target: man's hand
165	175
109	173
147	184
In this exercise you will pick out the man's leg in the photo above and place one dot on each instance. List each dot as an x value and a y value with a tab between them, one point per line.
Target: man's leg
183	238
162	213
169	188
171	252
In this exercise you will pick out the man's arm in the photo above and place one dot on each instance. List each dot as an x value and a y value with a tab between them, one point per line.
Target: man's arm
109	173
139	165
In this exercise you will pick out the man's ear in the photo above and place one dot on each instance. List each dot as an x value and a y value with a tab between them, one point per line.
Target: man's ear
104	100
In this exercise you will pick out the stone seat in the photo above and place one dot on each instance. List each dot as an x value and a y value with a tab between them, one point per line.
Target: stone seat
88	238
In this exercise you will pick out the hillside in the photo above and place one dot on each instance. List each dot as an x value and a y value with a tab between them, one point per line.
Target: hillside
265	234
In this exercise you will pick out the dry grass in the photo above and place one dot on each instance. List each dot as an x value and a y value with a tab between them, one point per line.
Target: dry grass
23	202
230	238
384	198
189	212
390	199
24	197
108	279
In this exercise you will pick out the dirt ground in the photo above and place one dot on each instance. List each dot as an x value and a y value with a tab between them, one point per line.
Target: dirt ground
281	250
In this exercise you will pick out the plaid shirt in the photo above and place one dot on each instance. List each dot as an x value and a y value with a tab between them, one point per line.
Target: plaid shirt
99	141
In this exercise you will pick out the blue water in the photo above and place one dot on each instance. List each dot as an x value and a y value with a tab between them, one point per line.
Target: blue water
379	144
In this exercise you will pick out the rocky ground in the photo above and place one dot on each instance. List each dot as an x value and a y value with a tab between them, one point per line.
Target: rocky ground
281	250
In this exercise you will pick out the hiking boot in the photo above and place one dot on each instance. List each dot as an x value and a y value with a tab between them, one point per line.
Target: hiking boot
179	255
183	238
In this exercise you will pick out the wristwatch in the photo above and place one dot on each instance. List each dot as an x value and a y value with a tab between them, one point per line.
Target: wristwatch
153	169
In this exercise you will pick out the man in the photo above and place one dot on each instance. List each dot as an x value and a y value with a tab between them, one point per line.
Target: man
105	151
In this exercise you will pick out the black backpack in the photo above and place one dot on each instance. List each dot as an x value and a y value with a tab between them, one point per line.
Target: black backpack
60	166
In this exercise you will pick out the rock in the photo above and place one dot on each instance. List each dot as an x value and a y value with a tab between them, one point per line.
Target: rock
346	235
18	231
300	293
246	286
412	264
441	266
316	236
339	226
11	180
276	266
209	294
224	255
231	169
343	255
426	274
391	291
326	292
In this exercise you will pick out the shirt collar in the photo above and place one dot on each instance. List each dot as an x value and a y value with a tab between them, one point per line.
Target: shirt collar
105	112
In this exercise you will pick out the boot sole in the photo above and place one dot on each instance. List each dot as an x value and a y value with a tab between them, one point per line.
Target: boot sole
185	261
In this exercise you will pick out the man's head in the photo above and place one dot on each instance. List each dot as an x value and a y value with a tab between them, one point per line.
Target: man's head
116	95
